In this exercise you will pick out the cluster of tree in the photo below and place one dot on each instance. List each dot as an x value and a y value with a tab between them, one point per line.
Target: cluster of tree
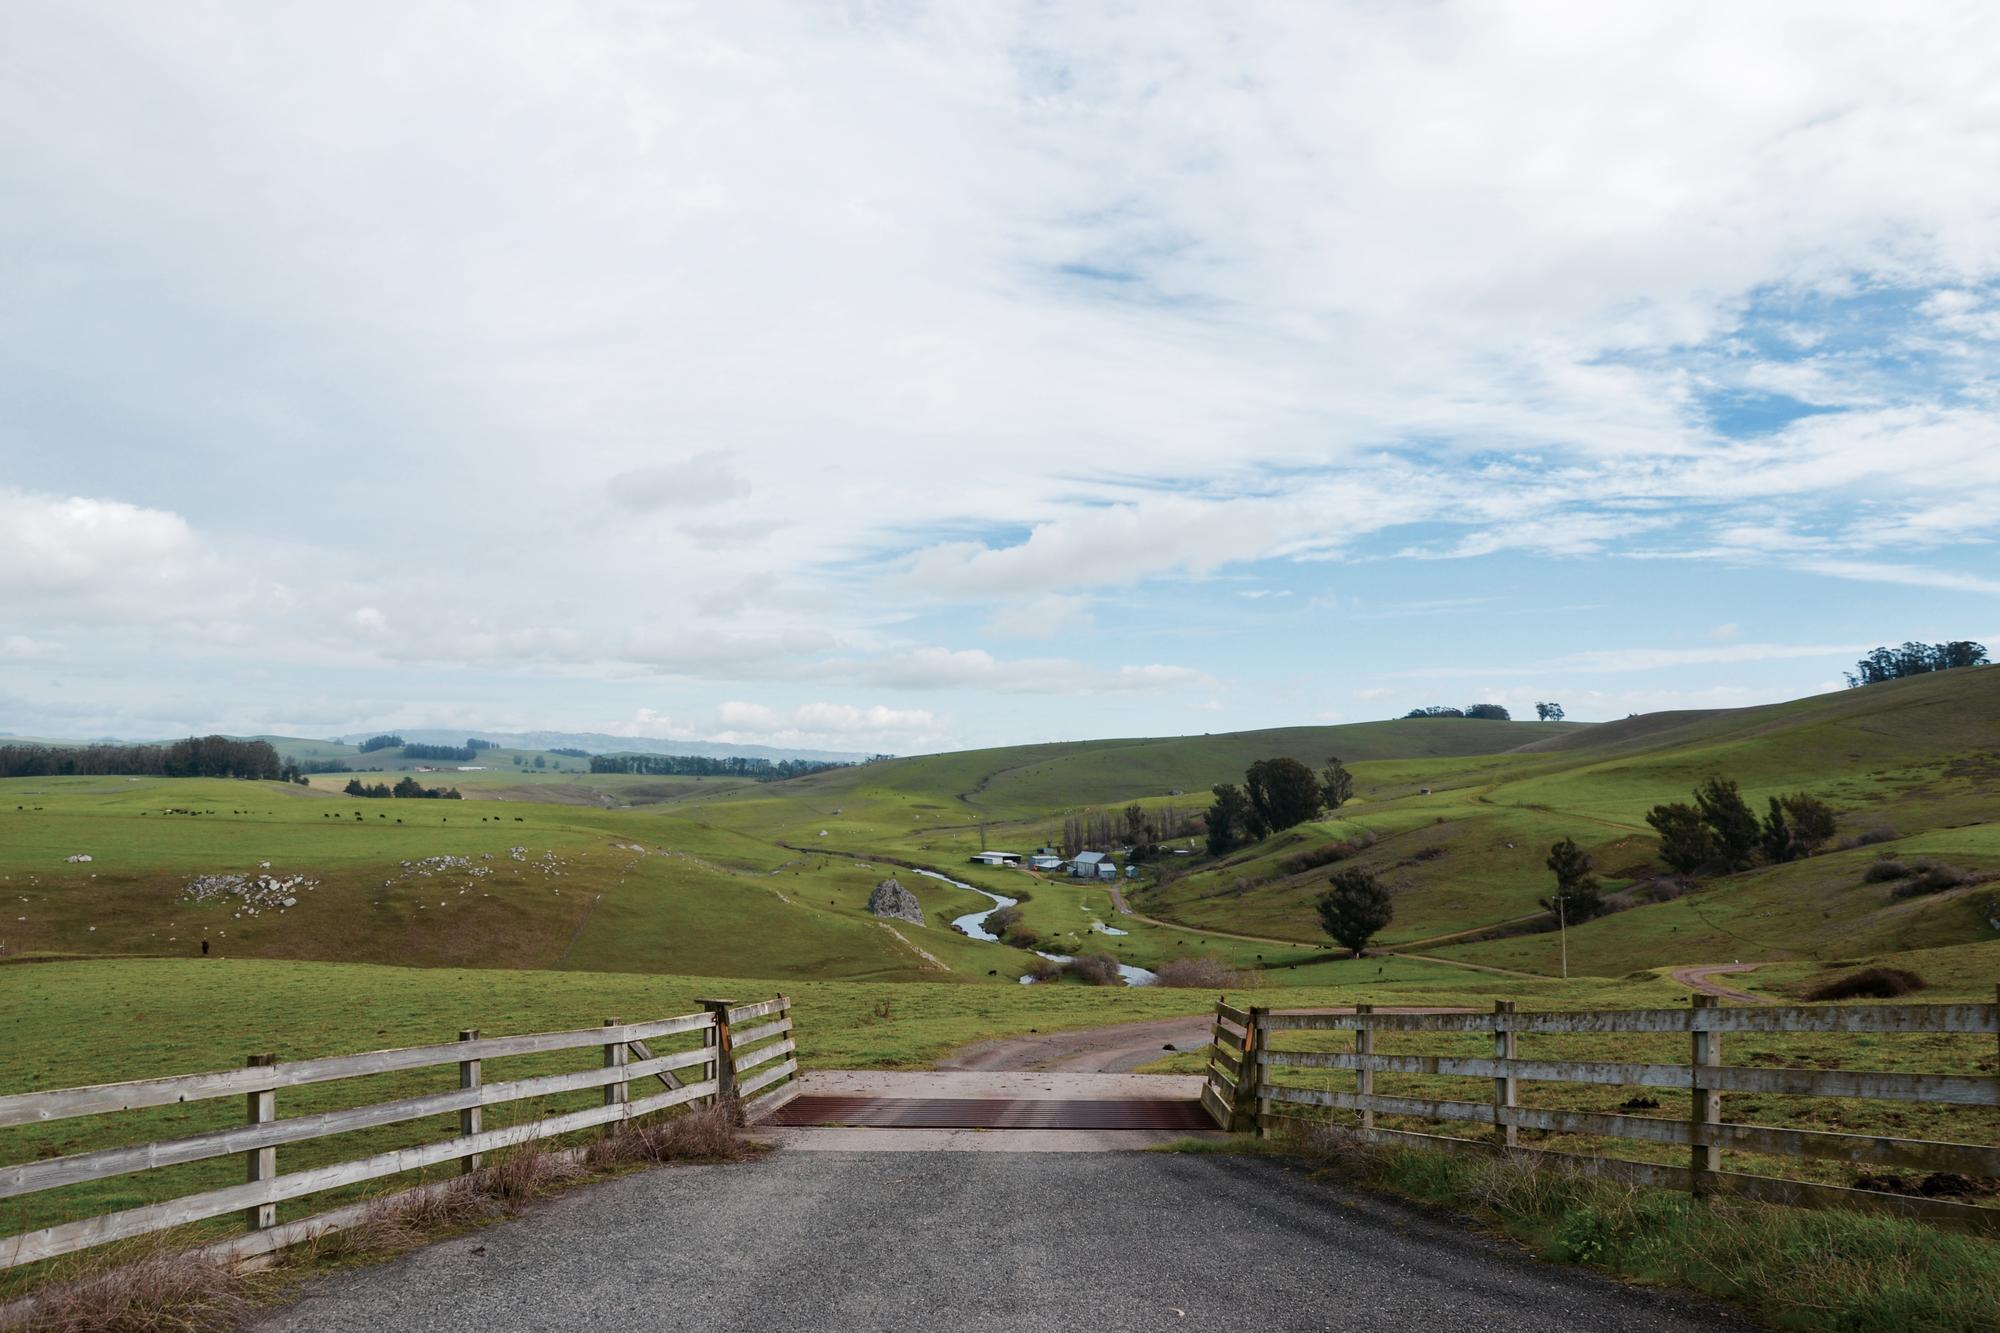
1491	712
1276	795
702	766
474	743
195	757
1721	831
1548	712
383	742
1135	826
451	754
541	761
1915	659
571	752
320	766
407	788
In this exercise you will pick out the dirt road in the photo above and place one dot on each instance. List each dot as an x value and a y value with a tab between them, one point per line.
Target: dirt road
1696	978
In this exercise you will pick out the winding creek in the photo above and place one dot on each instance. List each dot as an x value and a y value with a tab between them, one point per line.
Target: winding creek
974	925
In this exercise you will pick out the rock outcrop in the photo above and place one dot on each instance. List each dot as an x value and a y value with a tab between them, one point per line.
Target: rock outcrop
892	899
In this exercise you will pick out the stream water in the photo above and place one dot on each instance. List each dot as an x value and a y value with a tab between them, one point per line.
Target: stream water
974	925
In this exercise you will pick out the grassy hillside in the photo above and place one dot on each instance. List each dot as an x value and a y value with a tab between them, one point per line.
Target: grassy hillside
1027	780
1915	763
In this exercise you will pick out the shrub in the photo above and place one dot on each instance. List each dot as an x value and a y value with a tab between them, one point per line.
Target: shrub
1869	837
1428	854
1885	869
1872	983
1933	877
1205	973
1326	854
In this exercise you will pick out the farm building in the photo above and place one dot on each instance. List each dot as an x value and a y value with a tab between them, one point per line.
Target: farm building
996	859
1093	865
1045	861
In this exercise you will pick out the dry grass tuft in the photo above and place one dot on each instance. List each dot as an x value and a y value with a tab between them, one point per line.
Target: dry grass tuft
159	1293
705	1135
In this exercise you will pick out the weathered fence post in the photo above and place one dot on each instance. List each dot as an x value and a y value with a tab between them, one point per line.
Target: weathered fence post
1243	1116
1364	1078
1506	1088
1704	1156
471	1119
725	1058
615	1094
261	1163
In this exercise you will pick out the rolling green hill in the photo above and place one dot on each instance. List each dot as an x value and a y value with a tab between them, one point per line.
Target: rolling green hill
725	877
1914	763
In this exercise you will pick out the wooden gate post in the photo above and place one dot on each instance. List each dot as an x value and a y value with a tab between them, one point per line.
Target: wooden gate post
471	1119
1243	1115
1506	1088
724	1066
1364	1078
1704	1156
261	1108
615	1094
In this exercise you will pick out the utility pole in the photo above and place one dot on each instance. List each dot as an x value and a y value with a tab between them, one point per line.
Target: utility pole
1562	930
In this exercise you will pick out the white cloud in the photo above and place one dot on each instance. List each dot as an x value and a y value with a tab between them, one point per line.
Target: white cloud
1041	617
646	722
1914	576
825	725
698	482
728	341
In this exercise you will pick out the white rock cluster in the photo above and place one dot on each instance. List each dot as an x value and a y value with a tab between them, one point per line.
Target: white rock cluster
257	892
437	865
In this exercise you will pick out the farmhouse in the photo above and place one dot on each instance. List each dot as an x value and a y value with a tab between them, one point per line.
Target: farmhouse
1093	865
996	859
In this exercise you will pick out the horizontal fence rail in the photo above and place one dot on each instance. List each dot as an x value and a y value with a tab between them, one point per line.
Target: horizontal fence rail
728	1049
1243	1092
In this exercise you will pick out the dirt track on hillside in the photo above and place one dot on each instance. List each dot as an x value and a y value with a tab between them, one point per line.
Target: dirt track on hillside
1696	977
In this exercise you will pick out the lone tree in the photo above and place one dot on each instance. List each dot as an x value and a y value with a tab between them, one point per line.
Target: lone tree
1354	909
1576	897
1336	784
1730	819
1549	712
1685	842
1135	824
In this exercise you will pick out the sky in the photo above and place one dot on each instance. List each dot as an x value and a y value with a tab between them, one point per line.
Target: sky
902	377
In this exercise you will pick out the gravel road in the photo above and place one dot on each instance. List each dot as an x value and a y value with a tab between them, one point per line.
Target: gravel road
974	1241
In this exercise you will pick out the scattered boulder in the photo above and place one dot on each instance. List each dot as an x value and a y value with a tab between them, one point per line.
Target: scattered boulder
79	859
892	899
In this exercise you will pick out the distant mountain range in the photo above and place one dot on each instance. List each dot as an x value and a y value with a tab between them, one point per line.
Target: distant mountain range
598	742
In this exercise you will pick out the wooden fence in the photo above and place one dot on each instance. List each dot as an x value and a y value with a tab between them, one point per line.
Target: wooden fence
1242	1093
755	1065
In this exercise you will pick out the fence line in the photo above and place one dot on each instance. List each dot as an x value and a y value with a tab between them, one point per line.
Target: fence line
1241	1096
726	1053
